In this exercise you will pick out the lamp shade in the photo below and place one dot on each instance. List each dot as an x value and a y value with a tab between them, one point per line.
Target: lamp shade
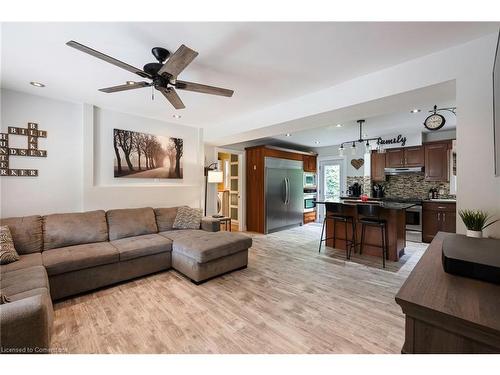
214	177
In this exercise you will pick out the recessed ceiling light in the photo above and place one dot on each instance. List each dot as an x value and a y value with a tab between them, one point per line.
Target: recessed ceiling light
317	142
176	116
130	82
339	125
416	110
288	135
37	84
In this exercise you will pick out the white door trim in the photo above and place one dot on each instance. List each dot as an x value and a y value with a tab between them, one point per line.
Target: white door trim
322	160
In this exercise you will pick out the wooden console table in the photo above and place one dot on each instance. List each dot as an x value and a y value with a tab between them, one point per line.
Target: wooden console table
447	313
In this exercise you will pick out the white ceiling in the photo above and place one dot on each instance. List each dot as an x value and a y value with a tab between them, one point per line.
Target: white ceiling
265	63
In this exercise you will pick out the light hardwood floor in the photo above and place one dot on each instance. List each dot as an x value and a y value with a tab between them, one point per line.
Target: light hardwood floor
290	299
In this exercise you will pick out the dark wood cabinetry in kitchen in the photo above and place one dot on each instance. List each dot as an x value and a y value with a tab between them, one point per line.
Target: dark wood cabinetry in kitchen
377	166
405	157
309	163
437	217
437	156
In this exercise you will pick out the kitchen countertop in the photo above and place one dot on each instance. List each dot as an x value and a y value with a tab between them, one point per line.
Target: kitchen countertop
354	202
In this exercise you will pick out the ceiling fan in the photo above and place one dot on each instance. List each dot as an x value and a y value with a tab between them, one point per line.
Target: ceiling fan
163	74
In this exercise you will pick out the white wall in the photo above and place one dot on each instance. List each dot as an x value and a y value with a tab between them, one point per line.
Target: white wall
103	191
78	171
58	187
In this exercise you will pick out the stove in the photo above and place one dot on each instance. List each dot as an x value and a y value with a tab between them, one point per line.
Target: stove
413	217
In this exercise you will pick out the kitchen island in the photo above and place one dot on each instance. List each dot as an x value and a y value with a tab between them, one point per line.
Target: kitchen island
395	215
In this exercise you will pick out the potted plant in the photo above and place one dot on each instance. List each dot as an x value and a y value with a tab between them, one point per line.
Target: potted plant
476	221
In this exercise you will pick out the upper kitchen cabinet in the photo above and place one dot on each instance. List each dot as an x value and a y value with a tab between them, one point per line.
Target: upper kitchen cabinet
309	163
414	156
437	161
405	157
377	166
394	158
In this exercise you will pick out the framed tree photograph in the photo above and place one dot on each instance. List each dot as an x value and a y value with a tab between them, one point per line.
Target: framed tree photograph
141	155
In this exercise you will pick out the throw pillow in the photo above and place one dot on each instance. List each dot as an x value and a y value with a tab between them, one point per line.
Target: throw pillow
188	218
3	299
8	253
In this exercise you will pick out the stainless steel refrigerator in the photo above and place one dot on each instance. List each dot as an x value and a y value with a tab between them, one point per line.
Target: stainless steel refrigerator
284	192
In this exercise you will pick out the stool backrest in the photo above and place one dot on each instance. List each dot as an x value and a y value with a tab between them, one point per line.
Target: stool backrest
336	208
369	210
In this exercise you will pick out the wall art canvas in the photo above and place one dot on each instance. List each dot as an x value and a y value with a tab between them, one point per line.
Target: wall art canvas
140	155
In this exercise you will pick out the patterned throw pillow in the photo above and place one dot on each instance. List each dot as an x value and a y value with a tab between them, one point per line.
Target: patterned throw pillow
188	218
8	253
3	299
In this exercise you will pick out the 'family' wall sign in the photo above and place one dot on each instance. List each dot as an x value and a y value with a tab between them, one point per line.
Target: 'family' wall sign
6	152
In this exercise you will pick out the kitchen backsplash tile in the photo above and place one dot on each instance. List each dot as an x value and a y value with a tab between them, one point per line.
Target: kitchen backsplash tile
364	181
413	186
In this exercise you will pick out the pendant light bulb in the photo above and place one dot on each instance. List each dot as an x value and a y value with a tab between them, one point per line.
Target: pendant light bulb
341	150
353	149
367	147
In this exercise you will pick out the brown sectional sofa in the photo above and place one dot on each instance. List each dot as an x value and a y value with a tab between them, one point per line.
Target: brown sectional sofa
65	254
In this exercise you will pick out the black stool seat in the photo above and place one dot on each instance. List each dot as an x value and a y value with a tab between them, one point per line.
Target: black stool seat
372	221
369	215
335	212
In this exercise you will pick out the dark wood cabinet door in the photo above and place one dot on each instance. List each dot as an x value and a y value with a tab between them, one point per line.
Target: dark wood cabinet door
414	156
448	222
394	158
431	224
436	161
377	166
309	163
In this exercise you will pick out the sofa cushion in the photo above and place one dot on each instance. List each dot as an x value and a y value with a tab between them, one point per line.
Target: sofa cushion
188	218
165	218
23	280
25	261
205	246
8	253
61	230
131	222
73	258
26	233
139	246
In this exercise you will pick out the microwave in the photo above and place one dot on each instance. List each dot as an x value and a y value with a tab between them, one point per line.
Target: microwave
309	180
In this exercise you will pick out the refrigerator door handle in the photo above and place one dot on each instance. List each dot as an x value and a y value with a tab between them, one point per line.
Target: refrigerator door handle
283	196
287	190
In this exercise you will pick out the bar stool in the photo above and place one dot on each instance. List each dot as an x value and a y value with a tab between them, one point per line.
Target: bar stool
369	215
335	212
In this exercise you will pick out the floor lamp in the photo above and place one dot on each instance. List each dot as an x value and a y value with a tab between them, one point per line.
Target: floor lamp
212	176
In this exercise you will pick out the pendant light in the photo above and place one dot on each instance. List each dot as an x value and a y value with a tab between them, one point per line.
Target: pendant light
353	149
341	150
362	140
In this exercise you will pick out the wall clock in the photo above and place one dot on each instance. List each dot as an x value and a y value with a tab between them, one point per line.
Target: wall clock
434	121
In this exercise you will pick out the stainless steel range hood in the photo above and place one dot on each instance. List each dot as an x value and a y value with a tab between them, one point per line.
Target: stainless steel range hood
396	171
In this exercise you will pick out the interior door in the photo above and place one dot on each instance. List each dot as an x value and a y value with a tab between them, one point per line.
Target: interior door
295	196
276	210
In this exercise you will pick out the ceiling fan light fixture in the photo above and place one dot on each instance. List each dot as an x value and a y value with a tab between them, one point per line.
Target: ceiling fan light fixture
36	84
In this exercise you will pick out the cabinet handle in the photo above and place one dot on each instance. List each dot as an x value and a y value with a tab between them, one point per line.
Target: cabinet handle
439	216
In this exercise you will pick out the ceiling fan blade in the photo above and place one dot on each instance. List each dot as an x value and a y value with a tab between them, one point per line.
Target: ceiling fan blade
127	86
173	98
108	59
178	61
204	89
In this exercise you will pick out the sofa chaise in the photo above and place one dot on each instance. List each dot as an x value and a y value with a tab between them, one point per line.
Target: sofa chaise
65	254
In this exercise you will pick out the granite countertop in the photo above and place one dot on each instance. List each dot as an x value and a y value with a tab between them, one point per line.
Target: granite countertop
354	202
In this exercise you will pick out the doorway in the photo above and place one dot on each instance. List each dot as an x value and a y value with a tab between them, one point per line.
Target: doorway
332	181
229	192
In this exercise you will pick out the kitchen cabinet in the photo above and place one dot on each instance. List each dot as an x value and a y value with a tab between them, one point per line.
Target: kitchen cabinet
377	166
405	157
437	217
414	156
309	217
437	161
394	158
309	163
